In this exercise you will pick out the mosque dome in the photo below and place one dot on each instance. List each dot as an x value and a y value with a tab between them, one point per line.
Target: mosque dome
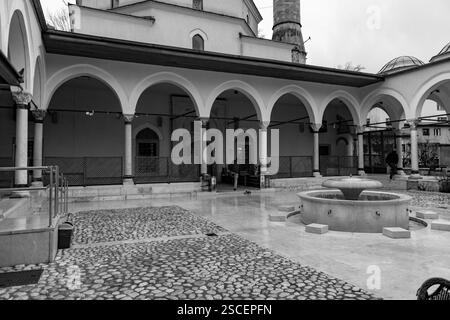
444	53
401	63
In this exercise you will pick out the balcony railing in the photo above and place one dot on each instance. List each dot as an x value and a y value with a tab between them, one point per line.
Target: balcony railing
57	189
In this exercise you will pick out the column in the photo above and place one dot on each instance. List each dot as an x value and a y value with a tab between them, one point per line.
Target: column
204	157
38	116
350	146
22	101
360	134
128	169
263	152
398	144
415	174
316	157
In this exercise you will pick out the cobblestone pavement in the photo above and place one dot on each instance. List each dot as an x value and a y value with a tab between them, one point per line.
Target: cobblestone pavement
185	265
136	224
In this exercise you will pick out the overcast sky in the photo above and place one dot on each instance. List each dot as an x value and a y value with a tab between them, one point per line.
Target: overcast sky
366	32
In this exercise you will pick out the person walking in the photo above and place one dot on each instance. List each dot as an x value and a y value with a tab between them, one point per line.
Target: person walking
392	161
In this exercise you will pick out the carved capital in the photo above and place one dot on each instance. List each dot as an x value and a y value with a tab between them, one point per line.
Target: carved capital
22	99
128	118
316	127
204	122
360	130
39	115
263	125
413	123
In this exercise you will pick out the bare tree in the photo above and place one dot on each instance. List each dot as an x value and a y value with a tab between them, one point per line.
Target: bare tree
59	20
350	67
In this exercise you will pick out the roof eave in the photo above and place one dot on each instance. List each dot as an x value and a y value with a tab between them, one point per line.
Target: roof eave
66	43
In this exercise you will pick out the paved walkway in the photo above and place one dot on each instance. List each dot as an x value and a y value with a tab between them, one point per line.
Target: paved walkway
166	253
404	264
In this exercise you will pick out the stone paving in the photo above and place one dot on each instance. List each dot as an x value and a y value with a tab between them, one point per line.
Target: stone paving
184	265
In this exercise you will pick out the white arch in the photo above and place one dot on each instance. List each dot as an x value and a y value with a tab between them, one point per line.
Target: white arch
425	90
22	14
250	92
150	126
39	80
199	32
300	93
80	70
171	78
376	96
350	101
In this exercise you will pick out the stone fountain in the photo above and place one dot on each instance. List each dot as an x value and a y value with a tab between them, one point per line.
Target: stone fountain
347	207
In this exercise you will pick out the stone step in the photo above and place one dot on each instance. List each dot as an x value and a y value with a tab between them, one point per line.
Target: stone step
277	217
440	225
397	233
427	214
316	228
286	208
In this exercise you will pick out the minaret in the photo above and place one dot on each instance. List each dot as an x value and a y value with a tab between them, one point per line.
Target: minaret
287	27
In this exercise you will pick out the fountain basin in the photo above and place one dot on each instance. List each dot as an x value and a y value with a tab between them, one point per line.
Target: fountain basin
372	212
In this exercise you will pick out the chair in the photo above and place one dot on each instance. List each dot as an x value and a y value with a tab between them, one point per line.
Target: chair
442	292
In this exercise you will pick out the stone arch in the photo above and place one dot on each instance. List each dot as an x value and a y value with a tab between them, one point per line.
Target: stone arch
23	35
377	96
199	32
350	101
425	90
299	93
342	139
150	126
170	78
76	71
250	92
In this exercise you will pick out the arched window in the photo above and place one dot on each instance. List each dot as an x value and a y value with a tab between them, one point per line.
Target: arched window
198	43
197	4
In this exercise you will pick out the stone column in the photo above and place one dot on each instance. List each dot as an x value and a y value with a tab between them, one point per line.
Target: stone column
415	174
316	156
128	168
263	152
22	101
38	116
399	143
350	146
204	157
360	134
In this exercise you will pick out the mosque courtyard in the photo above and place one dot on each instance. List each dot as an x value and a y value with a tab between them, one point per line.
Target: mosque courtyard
224	247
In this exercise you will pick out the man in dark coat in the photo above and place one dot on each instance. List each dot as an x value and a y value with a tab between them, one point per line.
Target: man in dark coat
392	161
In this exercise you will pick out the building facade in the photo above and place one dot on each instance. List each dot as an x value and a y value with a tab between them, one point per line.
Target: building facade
102	100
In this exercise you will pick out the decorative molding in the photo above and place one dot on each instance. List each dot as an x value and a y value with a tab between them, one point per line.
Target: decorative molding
316	127
128	118
39	115
22	99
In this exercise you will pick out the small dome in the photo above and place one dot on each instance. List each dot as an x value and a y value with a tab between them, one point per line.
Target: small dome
445	52
401	63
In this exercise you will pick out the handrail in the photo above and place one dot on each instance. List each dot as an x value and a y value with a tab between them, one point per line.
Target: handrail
58	189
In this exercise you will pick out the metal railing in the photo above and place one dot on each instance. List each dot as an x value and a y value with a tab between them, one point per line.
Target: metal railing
162	169
338	165
294	167
57	189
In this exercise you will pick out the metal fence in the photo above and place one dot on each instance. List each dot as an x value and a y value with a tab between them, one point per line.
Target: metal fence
294	167
160	169
338	165
88	171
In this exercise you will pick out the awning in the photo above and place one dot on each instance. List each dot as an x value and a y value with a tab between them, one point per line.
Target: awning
8	75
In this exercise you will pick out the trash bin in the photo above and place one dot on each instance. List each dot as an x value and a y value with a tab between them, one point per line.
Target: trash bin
65	232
